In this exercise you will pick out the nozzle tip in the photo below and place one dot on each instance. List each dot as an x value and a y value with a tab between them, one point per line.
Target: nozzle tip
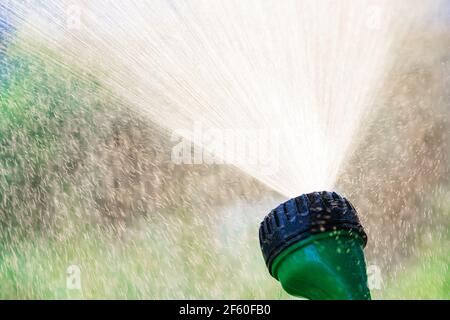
304	216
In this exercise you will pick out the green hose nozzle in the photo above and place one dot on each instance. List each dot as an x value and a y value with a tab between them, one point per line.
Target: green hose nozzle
313	245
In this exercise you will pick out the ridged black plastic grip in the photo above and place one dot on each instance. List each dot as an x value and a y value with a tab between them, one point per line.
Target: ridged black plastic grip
306	215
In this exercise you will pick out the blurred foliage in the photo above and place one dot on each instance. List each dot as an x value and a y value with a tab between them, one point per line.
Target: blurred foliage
85	181
164	258
398	176
47	127
70	148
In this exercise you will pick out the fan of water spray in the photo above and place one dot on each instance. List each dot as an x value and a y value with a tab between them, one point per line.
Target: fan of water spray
277	88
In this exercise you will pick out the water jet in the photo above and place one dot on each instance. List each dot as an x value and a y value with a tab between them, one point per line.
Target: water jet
313	245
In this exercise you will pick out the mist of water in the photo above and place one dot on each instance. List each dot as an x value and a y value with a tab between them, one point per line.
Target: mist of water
293	81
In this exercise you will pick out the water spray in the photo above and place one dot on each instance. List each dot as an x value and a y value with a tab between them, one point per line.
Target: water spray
197	63
313	245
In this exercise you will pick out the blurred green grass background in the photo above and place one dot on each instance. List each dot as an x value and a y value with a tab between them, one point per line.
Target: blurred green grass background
56	126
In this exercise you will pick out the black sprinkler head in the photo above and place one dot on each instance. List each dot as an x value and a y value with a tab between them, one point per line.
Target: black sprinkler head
314	245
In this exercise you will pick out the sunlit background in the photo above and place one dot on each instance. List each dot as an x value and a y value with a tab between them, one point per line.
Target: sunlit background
96	95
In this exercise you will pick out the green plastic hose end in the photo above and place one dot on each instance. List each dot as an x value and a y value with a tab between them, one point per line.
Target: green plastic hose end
313	245
325	266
